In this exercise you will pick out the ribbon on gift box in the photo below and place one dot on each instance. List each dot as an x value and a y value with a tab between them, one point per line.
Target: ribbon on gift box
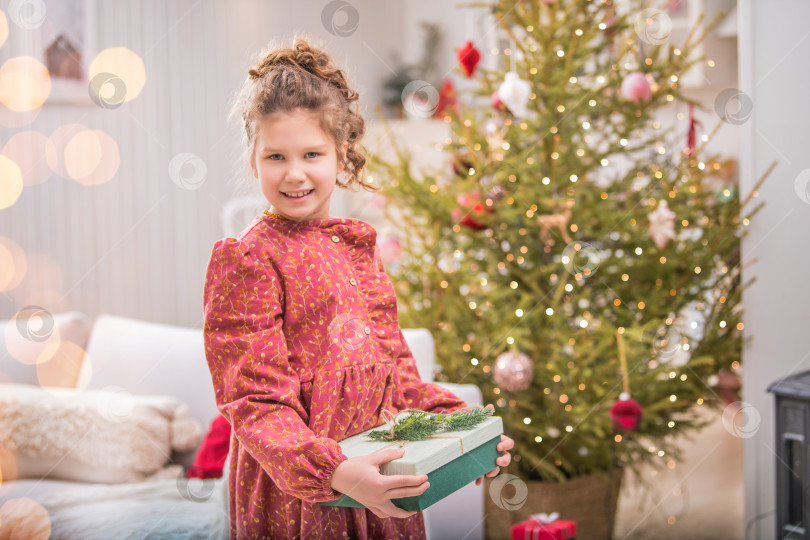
545	518
544	527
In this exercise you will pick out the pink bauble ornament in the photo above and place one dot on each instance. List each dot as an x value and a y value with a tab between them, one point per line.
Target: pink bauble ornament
376	200
513	371
496	102
390	249
635	87
514	93
468	199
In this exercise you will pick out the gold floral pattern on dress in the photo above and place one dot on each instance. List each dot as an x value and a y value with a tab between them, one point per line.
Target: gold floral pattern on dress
304	347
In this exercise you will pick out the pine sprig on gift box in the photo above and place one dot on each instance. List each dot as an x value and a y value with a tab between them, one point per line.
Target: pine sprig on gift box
421	425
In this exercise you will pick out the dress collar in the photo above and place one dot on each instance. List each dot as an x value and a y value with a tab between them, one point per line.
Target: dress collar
343	226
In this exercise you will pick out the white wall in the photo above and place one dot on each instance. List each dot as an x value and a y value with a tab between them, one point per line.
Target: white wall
774	48
138	245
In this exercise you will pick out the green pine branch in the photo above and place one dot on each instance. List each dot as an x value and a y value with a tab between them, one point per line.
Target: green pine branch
421	425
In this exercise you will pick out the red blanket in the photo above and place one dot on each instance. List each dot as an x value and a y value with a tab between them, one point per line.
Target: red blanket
213	451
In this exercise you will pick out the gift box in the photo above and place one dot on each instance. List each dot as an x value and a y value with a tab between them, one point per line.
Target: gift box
451	460
544	527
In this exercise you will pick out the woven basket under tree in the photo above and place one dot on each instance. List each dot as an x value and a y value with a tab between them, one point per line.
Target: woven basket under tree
589	500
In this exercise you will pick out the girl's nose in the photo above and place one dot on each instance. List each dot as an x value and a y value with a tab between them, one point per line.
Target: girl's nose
295	173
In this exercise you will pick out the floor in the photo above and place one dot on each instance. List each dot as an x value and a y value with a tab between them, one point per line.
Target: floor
700	498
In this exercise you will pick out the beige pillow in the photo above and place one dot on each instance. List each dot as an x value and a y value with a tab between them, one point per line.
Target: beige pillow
106	435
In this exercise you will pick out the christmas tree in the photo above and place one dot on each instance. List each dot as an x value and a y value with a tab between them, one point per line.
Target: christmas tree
576	261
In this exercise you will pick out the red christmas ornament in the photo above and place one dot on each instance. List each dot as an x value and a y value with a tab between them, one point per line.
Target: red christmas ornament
447	98
728	386
468	57
471	209
626	413
691	136
497	104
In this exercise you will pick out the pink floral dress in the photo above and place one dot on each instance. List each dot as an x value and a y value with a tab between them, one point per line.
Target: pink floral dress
304	348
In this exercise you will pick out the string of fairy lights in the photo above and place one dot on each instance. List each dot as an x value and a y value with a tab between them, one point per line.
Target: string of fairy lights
517	254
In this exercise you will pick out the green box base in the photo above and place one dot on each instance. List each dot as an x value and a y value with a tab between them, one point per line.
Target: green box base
444	480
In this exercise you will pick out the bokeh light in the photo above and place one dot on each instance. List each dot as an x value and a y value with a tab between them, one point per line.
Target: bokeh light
26	83
8	468
55	148
28	149
31	336
3	28
11	182
92	157
123	64
13	120
13	264
42	284
85	373
62	369
25	518
82	154
7	267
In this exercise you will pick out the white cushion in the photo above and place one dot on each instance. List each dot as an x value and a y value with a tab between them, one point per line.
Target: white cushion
148	358
420	341
470	393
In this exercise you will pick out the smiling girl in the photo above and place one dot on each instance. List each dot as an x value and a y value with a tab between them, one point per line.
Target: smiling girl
301	331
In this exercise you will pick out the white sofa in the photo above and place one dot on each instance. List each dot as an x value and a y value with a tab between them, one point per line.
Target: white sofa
152	359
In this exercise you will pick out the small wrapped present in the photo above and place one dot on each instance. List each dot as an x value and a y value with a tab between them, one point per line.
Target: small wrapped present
451	459
544	527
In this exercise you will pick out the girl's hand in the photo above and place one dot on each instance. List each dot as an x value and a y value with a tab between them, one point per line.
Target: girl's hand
503	446
360	479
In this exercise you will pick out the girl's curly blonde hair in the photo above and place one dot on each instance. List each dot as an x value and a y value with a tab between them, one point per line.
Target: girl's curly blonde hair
304	77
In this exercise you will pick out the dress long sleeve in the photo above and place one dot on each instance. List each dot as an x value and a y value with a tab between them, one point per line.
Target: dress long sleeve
256	388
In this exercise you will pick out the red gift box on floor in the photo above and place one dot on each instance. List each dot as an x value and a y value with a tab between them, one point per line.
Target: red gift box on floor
544	527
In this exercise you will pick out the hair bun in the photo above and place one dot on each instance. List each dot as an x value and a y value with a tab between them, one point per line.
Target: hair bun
305	56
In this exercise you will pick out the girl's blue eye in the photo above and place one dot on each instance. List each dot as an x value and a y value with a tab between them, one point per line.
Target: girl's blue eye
274	157
313	154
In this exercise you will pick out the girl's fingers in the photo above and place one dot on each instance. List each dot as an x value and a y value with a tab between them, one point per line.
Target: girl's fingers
404	480
392	511
505	444
414	491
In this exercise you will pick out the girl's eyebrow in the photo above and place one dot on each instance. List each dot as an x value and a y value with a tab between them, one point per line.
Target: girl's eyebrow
320	147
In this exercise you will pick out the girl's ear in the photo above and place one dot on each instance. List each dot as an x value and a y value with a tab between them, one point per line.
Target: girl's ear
341	165
253	166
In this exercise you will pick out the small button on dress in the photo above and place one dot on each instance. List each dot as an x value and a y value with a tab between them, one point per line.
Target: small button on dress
353	282
335	238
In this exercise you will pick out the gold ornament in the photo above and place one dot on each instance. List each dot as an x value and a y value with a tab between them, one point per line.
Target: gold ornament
558	221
